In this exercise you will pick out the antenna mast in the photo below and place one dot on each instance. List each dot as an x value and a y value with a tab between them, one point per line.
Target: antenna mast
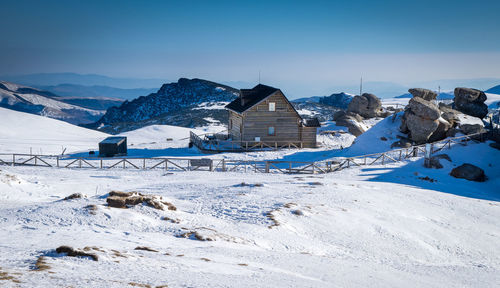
259	76
361	86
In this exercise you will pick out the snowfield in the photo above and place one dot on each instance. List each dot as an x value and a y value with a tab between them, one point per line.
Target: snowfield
380	226
393	225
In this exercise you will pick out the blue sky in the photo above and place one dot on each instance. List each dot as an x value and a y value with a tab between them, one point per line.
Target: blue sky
310	45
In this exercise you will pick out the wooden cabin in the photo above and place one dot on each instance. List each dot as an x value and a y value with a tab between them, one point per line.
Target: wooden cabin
264	114
113	146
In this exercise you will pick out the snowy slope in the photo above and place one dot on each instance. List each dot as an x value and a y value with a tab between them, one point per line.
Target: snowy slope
32	100
376	227
21	131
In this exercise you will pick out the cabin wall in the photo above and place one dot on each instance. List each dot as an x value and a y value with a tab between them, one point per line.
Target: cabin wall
309	137
258	119
235	125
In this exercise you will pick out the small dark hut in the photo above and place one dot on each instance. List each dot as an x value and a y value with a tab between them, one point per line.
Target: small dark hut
113	146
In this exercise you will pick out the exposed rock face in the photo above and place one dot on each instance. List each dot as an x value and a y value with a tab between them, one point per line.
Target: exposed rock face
423	93
339	100
435	163
173	104
402	143
352	123
471	102
421	120
469	172
366	105
425	122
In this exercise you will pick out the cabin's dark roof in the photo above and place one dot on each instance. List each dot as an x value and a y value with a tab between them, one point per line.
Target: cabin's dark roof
113	140
251	97
314	122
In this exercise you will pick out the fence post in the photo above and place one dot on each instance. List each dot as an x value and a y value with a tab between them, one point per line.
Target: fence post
267	167
35	159
144	163
100	163
13	159
383	158
223	165
57	161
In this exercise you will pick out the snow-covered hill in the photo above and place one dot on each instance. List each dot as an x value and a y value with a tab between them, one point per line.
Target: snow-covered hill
372	226
23	132
173	104
35	101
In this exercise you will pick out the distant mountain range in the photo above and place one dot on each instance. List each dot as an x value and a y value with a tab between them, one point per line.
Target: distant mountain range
35	101
54	79
494	90
442	96
75	90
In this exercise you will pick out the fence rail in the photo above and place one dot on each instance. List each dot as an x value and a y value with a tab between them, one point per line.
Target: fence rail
217	145
224	165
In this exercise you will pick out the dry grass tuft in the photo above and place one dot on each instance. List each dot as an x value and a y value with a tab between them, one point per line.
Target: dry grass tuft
205	259
91	208
195	236
144	248
74	196
242	264
289	205
41	264
8	277
298	212
139	285
175	221
271	215
121	194
76	253
119	199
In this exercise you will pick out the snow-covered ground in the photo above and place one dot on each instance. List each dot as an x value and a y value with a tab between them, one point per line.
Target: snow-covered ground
23	132
377	226
387	225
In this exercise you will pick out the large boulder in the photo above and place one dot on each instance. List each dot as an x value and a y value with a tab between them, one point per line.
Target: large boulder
471	102
424	109
366	105
353	125
425	94
420	128
469	172
440	132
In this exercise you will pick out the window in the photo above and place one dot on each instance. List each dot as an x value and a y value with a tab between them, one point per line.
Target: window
272	106
270	131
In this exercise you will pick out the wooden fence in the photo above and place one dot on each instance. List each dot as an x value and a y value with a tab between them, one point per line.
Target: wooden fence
223	165
218	146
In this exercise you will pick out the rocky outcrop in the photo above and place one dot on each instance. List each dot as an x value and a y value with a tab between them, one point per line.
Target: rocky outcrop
420	119
425	122
471	102
435	163
469	172
425	94
353	123
366	105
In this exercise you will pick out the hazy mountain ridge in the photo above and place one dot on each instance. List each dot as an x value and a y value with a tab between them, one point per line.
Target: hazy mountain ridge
75	90
35	101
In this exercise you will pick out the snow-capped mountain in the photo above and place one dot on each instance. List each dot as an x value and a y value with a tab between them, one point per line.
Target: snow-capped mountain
187	103
35	101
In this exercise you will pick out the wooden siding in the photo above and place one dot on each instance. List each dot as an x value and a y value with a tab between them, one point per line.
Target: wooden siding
256	121
235	125
309	137
284	119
